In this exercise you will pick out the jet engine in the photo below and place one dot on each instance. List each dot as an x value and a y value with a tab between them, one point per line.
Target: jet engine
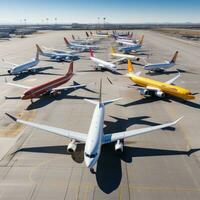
119	146
160	94
9	71
72	146
144	92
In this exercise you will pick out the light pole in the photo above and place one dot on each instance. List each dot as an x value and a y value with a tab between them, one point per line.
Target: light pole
104	21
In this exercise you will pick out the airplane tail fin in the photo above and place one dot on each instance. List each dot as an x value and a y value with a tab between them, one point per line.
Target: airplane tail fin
73	37
66	41
115	37
71	69
100	98
113	50
91	52
87	34
174	57
39	50
142	40
131	69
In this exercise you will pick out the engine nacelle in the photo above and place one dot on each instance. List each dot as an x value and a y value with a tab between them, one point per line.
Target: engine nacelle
160	94
9	71
119	146
144	92
72	146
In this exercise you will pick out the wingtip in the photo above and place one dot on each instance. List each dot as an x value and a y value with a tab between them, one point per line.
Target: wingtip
12	117
179	119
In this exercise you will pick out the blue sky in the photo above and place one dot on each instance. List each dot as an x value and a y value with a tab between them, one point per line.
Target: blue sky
87	11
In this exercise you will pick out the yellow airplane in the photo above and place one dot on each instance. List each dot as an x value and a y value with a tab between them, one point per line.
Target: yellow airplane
151	87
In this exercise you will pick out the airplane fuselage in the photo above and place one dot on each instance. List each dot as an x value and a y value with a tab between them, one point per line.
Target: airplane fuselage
60	56
127	56
45	88
159	66
23	67
94	139
176	91
103	64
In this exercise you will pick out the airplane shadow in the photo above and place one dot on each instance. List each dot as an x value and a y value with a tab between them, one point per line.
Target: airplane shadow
168	99
46	99
109	168
36	72
77	156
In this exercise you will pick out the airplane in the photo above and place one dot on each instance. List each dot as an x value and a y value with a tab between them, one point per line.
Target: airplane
95	137
125	56
99	36
131	46
80	47
58	57
51	87
18	69
150	87
101	64
84	41
161	66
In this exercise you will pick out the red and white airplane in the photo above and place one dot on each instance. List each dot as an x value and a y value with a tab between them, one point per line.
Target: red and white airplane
51	87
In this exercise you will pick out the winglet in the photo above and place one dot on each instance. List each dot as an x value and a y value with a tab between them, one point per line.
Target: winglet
73	37
11	117
179	119
174	57
66	41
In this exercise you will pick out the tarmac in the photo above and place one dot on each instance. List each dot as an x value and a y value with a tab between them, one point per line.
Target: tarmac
162	165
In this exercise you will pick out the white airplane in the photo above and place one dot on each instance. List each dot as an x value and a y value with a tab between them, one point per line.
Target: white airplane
161	66
84	41
101	64
24	67
57	56
129	46
80	47
124	57
95	137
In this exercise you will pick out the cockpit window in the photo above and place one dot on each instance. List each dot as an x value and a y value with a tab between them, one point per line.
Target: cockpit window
91	155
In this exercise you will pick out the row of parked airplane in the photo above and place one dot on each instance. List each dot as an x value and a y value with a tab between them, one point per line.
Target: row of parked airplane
96	136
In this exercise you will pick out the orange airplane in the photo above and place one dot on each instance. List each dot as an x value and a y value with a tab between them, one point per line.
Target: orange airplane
149	87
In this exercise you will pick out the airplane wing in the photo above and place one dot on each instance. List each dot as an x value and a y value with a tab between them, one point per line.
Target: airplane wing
58	131
173	79
144	88
118	60
69	87
18	85
108	138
